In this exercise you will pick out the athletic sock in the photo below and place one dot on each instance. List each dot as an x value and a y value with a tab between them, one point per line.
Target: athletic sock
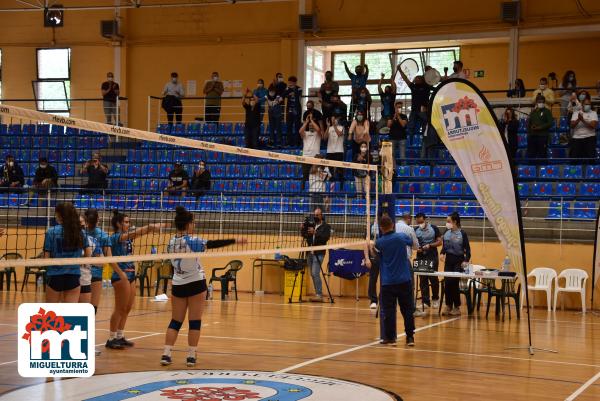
120	334
191	352
112	335
167	350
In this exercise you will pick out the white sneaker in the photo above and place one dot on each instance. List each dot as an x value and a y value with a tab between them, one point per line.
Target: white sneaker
446	311
422	306
373	305
455	312
419	313
435	303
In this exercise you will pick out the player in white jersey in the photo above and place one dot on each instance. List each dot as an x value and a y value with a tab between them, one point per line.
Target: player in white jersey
189	284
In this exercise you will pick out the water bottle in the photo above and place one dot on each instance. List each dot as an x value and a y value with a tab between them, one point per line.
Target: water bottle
153	250
277	254
40	281
210	291
506	264
470	268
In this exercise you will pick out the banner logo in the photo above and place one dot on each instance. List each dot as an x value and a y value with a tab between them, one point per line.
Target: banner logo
56	340
460	118
486	164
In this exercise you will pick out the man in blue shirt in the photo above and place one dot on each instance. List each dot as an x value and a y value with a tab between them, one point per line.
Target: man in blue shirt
396	282
358	81
293	111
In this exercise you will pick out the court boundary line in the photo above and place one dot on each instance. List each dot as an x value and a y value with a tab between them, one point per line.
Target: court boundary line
349	350
583	387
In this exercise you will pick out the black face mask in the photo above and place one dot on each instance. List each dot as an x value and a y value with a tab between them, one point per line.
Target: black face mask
455	69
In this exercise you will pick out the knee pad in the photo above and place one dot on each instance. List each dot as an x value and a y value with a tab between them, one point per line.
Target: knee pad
195	324
175	325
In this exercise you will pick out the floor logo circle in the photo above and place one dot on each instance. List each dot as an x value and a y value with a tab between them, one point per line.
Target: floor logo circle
205	385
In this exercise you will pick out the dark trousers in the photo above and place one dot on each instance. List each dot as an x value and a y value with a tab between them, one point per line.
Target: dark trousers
584	148
401	294
212	114
275	126
452	285
173	106
373	276
537	147
337	173
425	282
293	129
251	136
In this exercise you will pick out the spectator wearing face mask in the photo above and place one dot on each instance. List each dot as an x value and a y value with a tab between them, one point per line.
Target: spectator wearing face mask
279	85
335	135
252	123
293	111
420	91
327	90
179	181
583	141
213	89
457	71
110	93
316	114
363	103
171	102
518	90
201	180
310	132
362	180
545	91
97	174
359	132
388	98
339	109
358	81
568	86
275	106
539	124
509	128
261	94
317	182
397	124
46	176
575	103
11	174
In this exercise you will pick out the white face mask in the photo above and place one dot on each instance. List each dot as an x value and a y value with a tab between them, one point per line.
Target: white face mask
280	79
10	164
43	165
423	225
542	86
363	149
541	105
449	226
582	97
110	79
215	79
174	80
587	108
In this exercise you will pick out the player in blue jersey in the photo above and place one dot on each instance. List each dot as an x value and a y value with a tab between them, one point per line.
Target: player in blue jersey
121	243
189	284
65	240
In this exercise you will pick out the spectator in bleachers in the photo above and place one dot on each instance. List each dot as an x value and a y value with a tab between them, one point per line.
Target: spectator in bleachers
201	180
252	122
327	90
261	94
568	86
457	71
362	180
317	181
46	176
397	125
213	89
310	132
388	98
545	91
171	103
97	174
179	181
339	109
359	131
518	90
576	101
110	93
275	105
538	127
359	82
316	114
279	85
509	127
293	111
11	174
420	91
430	137
583	141
364	101
335	136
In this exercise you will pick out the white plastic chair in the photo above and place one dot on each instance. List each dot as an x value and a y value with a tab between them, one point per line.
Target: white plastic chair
575	280
543	282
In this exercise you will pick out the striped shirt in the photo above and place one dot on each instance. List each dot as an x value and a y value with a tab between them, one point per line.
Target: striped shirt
402	227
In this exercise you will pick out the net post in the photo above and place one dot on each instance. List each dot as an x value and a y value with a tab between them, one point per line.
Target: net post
280	220
221	215
47	208
345	215
149	112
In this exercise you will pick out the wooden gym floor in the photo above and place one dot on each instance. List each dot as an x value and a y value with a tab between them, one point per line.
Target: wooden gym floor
454	358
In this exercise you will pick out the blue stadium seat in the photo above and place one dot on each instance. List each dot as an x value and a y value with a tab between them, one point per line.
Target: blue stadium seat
522	140
431	188
181	156
150	170
218	171
526	172
523	189
573	172
443	208
338	205
421	171
424	206
193	129
563	125
566	189
134	170
584	210
549	172
592	172
590	189
349	187
441	172
411	188
66	170
558	210
209	129
541	189
403	171
294	186
523	125
453	188
225	129
402	207
117	170
358	207
14	129
557	153
134	185
235	171
152	186
57	130
256	186
469	209
456	173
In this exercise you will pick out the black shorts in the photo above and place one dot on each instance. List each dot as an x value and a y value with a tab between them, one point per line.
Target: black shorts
131	279
94	279
63	282
189	289
85	289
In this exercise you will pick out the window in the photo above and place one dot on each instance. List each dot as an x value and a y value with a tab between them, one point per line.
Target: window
378	63
52	89
315	69
339	71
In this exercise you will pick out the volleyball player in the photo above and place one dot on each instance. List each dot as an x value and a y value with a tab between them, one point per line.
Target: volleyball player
85	278
121	243
65	240
189	284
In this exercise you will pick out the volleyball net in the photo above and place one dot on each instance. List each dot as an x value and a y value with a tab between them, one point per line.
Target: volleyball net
234	192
